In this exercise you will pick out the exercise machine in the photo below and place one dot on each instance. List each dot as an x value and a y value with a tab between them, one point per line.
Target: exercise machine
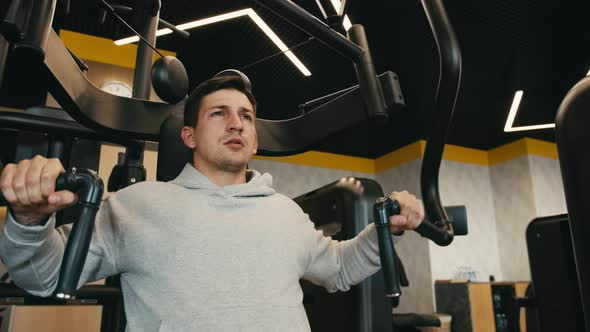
572	138
131	120
341	210
554	302
559	297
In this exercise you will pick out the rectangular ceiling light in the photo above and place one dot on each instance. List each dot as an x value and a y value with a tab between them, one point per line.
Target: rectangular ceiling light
227	16
346	21
321	8
512	115
278	42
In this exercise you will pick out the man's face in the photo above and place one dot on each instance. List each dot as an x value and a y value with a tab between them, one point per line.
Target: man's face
225	137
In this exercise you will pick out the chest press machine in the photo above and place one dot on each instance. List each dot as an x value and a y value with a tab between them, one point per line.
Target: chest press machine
130	121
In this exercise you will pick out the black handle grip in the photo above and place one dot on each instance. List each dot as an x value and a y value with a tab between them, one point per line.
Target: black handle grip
89	188
384	208
441	235
76	252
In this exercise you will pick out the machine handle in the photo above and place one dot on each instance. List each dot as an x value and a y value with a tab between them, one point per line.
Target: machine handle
384	208
89	188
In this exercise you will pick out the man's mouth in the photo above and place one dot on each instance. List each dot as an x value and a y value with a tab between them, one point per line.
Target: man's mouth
235	142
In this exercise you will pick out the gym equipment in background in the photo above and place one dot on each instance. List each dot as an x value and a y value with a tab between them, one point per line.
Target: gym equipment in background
572	137
341	210
558	246
556	304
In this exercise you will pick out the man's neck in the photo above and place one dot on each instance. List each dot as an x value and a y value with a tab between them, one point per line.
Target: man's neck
220	177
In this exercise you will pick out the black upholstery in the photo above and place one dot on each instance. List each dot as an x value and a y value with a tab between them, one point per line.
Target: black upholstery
172	153
572	137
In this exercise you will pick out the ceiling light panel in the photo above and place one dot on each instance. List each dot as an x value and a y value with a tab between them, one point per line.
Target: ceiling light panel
228	16
512	115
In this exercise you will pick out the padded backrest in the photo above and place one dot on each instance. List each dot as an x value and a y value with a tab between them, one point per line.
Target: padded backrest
172	153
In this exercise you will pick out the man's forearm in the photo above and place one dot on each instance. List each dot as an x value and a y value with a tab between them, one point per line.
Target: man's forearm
32	255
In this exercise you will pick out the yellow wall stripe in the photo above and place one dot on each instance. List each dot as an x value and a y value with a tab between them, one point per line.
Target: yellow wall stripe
465	155
541	148
508	151
416	150
398	157
523	147
327	160
102	50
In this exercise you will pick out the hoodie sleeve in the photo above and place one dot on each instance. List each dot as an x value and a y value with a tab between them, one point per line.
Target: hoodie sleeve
32	254
337	265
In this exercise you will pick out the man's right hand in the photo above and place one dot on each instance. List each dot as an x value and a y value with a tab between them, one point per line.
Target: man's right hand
29	189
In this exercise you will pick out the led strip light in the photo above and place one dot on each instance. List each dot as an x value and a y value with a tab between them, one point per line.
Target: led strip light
512	115
228	16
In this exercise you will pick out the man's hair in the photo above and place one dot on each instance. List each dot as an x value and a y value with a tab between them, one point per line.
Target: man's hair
193	102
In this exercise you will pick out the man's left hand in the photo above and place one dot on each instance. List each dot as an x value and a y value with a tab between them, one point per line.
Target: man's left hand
411	212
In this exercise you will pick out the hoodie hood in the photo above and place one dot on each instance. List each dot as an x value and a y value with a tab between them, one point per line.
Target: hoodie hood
256	185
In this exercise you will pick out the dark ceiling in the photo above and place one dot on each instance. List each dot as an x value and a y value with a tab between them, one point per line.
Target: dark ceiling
541	47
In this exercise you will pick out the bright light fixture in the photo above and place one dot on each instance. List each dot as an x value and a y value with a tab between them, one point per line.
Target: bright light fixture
336	4
275	39
512	115
346	21
227	16
321	8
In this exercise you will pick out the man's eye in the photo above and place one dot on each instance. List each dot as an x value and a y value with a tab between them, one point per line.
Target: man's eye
216	113
247	116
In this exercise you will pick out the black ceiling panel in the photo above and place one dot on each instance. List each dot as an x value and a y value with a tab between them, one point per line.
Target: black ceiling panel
541	47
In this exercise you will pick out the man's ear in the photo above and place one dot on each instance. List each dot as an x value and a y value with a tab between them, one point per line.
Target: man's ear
188	137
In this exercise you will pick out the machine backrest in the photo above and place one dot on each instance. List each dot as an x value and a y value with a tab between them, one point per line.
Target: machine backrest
172	153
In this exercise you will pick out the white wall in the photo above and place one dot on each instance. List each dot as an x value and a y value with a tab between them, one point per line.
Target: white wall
469	185
547	186
525	188
514	204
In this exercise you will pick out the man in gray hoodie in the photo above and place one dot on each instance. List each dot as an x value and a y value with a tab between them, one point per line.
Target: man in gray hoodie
216	249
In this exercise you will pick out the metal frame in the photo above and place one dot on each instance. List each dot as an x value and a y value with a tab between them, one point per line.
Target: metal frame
572	137
440	229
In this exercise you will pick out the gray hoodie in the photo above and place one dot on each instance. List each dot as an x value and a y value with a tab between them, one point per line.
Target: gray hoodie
194	256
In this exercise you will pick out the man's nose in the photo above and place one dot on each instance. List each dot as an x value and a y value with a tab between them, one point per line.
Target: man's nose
235	122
